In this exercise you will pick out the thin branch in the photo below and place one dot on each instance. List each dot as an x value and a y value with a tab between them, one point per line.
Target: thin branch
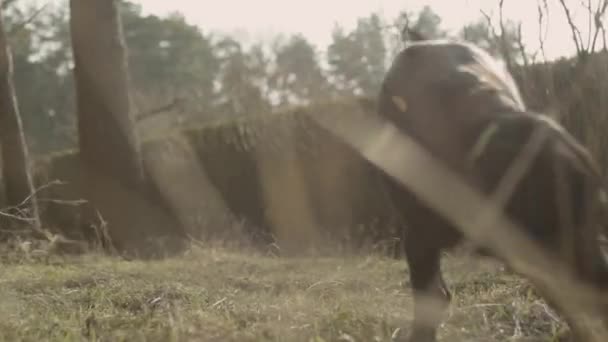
501	24
576	34
176	102
504	45
490	25
72	203
21	215
590	13
499	39
17	217
17	213
488	18
29	20
599	25
521	46
547	20
31	195
541	37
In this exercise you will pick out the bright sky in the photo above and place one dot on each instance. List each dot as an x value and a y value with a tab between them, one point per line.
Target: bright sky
260	19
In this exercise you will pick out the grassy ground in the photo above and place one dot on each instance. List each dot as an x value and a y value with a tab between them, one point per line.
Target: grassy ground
219	295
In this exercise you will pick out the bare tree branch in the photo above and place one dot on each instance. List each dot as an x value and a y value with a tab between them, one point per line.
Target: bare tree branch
541	36
504	47
599	25
488	18
174	104
576	34
32	17
499	38
521	46
491	28
588	6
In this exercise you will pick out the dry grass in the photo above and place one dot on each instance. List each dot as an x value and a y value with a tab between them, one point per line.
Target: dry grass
222	295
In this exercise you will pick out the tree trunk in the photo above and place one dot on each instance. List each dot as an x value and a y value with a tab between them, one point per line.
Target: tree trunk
111	166
18	185
114	180
108	143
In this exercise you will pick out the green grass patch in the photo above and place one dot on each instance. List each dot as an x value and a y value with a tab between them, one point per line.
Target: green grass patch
220	295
